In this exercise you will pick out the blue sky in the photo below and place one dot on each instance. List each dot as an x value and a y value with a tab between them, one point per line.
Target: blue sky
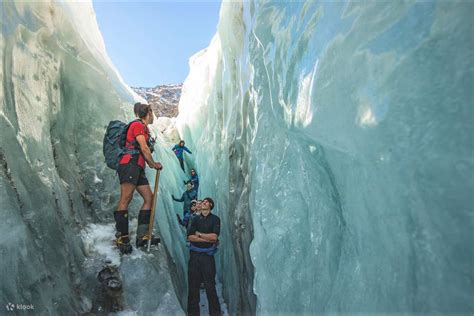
150	42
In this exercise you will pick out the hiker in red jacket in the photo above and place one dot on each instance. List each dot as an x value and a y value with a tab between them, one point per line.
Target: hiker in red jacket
131	172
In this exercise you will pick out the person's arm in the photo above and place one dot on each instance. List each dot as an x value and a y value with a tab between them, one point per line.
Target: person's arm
211	237
214	236
178	200
179	220
192	237
186	148
195	238
147	153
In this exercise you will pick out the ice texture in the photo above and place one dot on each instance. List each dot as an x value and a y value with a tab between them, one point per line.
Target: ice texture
335	138
337	141
58	92
146	277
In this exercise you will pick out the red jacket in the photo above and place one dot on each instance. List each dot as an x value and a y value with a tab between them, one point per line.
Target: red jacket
135	129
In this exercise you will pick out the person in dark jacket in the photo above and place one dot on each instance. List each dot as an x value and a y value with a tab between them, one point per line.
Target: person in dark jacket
188	216
195	212
194	180
178	151
188	196
203	236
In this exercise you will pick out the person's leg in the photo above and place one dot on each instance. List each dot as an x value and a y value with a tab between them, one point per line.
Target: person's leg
144	216
208	269
181	163
194	280
121	217
126	195
147	195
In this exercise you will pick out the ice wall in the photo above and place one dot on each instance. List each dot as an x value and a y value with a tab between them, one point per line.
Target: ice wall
58	92
337	141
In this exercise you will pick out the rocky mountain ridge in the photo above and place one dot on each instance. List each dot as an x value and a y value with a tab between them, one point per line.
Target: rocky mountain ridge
164	99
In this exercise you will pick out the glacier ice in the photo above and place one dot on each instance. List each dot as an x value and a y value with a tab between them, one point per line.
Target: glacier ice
59	91
145	276
337	140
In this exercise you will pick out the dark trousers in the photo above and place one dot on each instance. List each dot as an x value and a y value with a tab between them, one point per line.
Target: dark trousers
202	268
181	163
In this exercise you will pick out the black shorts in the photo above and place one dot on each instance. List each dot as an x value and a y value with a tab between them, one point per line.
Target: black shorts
132	173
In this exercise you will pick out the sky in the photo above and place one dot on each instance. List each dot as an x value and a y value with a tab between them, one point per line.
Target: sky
150	42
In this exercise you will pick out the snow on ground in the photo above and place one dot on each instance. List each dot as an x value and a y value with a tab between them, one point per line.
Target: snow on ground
98	240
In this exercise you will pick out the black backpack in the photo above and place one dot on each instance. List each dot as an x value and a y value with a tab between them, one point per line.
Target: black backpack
114	143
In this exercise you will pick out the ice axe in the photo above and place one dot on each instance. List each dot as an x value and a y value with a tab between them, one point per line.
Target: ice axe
152	214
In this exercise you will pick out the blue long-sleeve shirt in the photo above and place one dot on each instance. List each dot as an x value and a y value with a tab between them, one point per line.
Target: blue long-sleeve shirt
178	151
195	181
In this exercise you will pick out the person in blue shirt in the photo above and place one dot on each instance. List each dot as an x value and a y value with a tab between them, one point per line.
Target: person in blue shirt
178	151
195	212
186	221
194	180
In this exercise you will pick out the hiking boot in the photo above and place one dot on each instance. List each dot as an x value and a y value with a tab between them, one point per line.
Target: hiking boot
123	244
142	230
121	224
143	242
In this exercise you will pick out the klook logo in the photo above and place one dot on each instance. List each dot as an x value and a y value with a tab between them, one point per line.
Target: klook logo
10	307
21	307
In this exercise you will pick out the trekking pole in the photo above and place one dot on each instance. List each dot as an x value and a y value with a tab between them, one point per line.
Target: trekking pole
152	214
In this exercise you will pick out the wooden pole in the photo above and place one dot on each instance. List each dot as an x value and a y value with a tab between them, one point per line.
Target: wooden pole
152	214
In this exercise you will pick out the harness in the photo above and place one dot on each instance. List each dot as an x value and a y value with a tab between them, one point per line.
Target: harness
135	145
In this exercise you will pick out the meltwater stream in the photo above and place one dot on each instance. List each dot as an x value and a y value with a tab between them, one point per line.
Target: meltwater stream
336	139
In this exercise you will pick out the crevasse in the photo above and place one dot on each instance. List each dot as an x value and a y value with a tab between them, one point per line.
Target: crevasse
336	139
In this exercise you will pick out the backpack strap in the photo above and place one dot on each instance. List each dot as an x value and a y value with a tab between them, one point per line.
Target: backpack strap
134	143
